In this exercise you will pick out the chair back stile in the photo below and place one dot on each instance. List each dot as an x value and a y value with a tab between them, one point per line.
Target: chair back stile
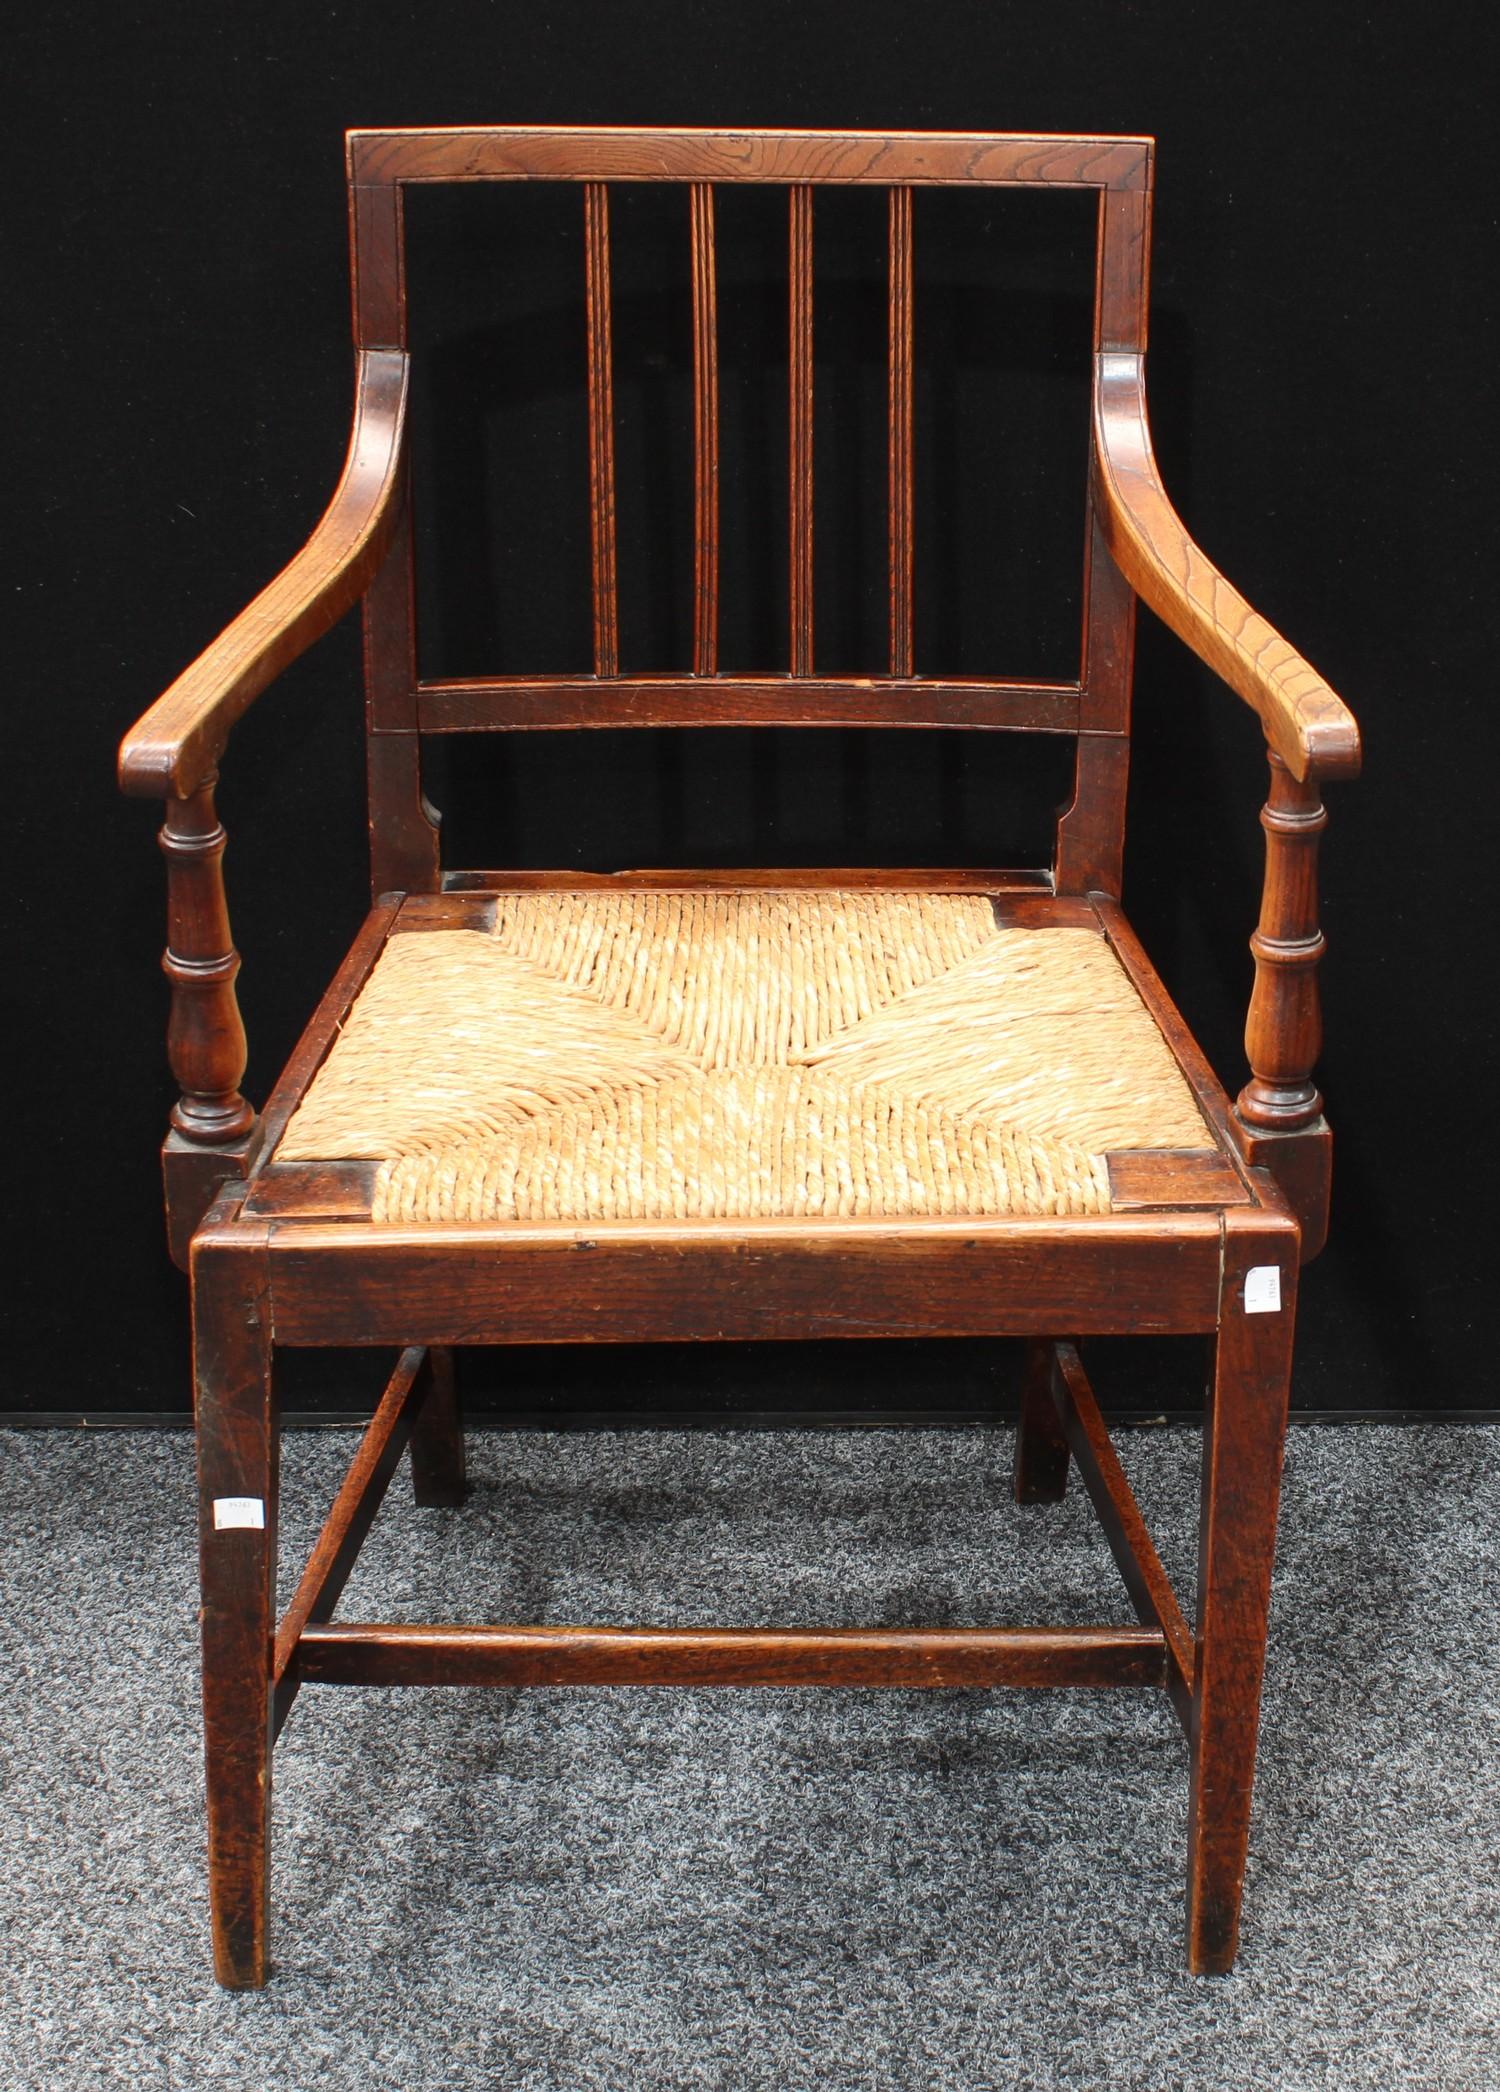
1094	708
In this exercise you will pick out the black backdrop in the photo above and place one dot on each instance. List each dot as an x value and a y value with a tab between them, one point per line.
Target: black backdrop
1322	387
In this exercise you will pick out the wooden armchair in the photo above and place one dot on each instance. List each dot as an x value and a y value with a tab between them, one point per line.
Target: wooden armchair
773	1104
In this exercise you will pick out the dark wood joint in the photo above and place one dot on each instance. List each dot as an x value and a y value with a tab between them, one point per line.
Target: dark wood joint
192	1178
1300	1165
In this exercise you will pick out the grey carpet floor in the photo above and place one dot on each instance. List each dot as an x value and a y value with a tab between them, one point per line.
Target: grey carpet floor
776	1890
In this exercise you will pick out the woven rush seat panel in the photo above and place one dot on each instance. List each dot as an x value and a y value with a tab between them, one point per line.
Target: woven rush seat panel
604	1055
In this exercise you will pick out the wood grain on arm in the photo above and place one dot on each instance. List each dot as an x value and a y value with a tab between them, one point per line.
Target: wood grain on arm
1306	723
172	748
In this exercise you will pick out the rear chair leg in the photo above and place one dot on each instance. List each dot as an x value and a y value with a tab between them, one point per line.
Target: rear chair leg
237	1478
1243	1436
437	1435
1041	1475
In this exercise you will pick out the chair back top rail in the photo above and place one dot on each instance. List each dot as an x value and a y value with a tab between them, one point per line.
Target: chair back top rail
626	153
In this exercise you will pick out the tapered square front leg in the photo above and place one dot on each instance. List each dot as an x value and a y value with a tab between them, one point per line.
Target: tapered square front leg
437	1436
1041	1471
1243	1437
237	1481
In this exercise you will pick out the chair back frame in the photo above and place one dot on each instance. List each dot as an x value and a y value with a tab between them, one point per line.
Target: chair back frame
1094	708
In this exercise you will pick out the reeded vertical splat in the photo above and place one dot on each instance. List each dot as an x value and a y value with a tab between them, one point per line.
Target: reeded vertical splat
205	1037
601	429
900	432
705	437
1284	1029
800	423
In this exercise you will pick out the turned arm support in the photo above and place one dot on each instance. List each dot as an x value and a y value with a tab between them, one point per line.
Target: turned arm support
205	1036
171	753
1284	1028
1278	1115
1310	735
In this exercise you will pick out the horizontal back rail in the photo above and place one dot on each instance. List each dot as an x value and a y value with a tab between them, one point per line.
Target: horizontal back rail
524	152
491	704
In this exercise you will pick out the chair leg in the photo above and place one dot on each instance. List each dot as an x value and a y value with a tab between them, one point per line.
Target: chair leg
237	1483
437	1436
1243	1436
1041	1473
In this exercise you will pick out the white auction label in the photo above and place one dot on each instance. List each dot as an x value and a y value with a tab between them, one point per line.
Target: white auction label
230	1511
1263	1289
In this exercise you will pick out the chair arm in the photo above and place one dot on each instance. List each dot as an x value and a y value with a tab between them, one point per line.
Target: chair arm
173	748
1306	724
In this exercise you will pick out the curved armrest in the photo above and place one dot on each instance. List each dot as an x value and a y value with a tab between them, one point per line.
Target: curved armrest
1308	726
172	749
